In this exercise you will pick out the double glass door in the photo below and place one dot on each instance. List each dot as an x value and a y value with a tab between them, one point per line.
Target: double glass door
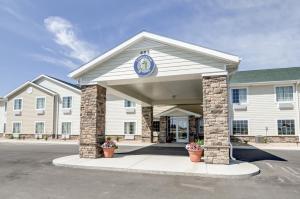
179	126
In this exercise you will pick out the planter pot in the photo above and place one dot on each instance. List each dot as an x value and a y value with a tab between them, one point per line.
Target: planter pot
195	156
109	152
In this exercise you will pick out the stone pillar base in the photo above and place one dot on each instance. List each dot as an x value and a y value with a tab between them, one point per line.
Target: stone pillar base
90	151
147	122
216	155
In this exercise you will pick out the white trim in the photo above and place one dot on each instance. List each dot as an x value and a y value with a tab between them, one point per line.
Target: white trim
284	82
146	35
44	131
12	129
284	85
62	103
61	128
36	103
239	119
59	82
32	84
247	102
165	113
17	98
286	118
130	120
215	74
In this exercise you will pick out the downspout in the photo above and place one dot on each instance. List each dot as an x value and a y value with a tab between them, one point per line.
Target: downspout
229	117
57	115
298	108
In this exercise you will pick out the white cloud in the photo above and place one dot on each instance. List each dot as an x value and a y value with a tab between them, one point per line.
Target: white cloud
56	61
266	34
65	35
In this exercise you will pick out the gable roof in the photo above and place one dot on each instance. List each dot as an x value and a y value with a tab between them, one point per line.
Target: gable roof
266	75
61	82
146	35
31	84
169	111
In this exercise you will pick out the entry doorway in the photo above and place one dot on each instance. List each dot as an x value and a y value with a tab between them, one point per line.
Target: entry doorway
179	126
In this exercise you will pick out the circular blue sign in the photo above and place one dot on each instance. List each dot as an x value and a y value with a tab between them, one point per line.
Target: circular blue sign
144	65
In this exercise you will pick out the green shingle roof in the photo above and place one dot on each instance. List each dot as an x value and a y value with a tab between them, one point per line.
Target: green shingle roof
266	75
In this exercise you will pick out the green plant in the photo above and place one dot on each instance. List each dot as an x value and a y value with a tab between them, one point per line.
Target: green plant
11	136
46	137
246	141
118	138
200	142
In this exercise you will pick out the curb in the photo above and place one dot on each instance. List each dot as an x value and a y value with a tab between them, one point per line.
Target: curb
171	173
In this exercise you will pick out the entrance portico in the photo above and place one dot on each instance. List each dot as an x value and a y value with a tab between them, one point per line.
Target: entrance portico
154	70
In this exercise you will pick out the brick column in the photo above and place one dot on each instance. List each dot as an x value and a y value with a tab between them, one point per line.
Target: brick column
162	136
147	121
192	128
92	121
215	114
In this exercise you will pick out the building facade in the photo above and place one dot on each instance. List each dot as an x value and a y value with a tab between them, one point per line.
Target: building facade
43	108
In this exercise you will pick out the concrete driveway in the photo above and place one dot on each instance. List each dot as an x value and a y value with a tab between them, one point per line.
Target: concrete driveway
26	172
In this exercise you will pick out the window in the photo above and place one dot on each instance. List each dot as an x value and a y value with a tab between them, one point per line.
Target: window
240	127
17	127
239	95
39	127
156	126
18	104
40	102
5	106
129	127
284	93
286	127
128	104
66	128
67	102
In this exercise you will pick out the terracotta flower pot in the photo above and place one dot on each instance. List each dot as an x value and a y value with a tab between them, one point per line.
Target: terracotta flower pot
109	152
195	156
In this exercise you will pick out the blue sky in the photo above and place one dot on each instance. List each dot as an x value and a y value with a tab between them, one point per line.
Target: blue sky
53	37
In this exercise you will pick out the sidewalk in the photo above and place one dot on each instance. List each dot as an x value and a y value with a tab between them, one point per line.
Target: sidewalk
270	146
159	164
35	141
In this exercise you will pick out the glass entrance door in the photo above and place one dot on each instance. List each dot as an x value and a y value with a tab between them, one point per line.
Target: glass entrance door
180	126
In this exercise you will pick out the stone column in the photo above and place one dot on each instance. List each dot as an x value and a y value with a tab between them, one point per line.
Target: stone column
162	136
147	122
92	121
192	128
215	114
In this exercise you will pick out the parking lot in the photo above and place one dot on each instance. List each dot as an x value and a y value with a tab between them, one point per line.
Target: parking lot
26	172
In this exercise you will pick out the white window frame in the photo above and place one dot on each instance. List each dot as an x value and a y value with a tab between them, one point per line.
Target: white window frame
295	126
12	129
284	85
129	106
238	120
44	130
71	105
18	98
128	121
231	95
61	126
38	97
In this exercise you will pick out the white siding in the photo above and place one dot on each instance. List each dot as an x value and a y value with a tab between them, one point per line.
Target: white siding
116	116
2	116
262	111
62	91
169	61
